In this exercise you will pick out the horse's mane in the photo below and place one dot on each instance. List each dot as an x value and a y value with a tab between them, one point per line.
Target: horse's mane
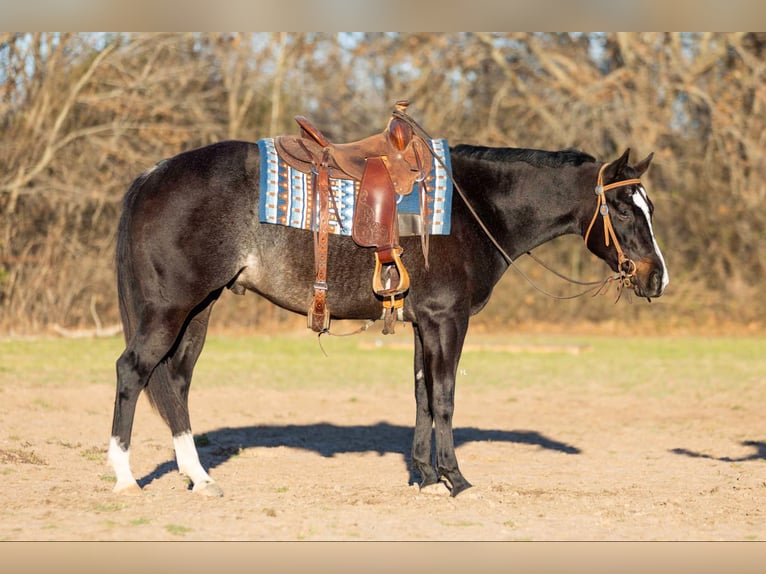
535	157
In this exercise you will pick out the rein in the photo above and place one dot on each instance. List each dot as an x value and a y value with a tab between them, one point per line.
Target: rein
595	287
624	276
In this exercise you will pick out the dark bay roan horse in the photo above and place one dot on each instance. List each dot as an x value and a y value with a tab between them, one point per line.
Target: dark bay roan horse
190	229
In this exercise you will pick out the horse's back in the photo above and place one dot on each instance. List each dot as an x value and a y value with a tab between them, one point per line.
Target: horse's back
219	171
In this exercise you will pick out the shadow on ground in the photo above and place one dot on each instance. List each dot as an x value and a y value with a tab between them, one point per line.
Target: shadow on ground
218	446
758	454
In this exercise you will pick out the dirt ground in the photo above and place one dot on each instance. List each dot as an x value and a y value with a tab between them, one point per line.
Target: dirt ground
579	464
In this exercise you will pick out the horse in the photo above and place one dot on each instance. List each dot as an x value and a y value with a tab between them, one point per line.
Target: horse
189	229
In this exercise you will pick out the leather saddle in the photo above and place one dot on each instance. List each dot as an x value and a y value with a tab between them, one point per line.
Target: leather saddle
386	164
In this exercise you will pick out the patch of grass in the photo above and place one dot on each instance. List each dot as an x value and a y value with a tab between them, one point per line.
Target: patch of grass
109	507
461	523
648	366
18	456
644	366
94	453
297	361
140	521
177	529
64	361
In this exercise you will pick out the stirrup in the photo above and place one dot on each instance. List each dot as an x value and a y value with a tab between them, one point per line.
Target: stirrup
404	277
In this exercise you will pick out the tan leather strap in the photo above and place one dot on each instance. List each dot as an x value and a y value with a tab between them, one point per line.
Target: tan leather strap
609	235
319	314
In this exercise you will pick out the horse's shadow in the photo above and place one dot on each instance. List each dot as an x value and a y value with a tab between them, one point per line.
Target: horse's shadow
218	446
758	454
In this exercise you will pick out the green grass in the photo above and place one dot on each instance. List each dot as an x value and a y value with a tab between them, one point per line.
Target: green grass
109	507
297	361
59	361
643	365
177	530
461	523
651	366
94	454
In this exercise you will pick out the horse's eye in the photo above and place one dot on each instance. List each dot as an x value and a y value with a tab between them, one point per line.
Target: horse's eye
624	214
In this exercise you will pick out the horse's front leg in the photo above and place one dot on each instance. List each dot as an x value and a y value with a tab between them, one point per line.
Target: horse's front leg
424	420
442	340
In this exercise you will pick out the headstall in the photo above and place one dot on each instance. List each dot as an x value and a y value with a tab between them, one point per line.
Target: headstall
626	274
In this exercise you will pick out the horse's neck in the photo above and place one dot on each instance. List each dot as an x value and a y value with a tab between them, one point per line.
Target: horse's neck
524	206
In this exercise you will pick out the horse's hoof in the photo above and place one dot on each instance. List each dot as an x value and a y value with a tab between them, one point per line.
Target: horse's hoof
210	489
127	488
428	476
459	487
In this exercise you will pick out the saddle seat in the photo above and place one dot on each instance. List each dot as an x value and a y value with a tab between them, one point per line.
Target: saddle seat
384	164
403	152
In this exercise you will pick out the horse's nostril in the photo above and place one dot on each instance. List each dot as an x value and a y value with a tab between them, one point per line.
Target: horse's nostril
655	280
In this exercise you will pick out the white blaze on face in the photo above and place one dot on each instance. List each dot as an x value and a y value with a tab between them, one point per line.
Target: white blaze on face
640	199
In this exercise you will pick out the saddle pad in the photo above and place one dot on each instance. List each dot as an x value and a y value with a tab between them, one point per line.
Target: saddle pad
286	196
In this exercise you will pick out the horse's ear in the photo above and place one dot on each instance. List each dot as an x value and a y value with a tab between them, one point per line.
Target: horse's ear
614	169
643	165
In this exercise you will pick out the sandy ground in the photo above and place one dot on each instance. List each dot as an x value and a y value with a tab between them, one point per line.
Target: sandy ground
576	464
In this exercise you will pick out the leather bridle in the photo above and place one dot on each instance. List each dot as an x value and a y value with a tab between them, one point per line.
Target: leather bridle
625	276
627	267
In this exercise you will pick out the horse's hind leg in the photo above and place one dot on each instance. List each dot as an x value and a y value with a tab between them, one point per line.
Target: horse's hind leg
172	402
154	338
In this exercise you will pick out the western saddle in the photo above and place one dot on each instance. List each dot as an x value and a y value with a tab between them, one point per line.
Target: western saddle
385	164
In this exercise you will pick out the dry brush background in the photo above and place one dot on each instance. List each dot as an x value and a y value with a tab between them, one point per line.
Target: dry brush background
81	115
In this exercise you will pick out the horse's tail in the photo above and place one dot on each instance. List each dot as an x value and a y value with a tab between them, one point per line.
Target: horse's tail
161	394
124	261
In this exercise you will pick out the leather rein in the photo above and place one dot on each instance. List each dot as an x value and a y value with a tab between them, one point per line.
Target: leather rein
625	274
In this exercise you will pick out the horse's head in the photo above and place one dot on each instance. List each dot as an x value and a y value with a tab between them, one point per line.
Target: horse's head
620	231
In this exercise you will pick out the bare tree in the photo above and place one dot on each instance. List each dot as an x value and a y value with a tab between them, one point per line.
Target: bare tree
83	114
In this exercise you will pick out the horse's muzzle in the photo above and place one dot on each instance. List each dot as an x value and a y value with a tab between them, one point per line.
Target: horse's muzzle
647	281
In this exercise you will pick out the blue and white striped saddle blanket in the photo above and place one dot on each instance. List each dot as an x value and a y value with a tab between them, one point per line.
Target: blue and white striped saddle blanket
286	196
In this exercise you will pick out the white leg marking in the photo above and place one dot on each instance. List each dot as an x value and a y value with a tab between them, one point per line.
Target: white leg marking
188	461
640	201
119	458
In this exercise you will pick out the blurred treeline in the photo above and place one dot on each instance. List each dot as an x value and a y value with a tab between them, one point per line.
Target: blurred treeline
81	115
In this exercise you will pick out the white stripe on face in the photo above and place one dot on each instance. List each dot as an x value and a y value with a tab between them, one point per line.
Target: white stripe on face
640	199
